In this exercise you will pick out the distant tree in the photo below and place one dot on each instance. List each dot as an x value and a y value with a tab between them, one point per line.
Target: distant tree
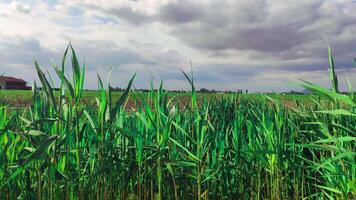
204	90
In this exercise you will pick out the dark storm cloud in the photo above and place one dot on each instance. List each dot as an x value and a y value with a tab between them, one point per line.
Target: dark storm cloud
22	51
98	54
226	71
17	57
18	54
223	73
180	12
106	54
261	39
281	30
255	26
342	65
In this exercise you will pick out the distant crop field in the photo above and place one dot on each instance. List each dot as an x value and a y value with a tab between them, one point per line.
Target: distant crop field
23	98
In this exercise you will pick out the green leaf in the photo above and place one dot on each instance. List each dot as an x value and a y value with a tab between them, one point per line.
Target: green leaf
338	139
37	154
92	122
334	190
318	90
41	149
46	86
337	157
36	133
338	112
333	76
122	98
65	80
190	154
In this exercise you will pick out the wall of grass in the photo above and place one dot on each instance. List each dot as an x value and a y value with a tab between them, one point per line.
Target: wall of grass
234	147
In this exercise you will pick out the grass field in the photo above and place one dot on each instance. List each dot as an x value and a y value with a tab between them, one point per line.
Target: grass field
23	98
229	147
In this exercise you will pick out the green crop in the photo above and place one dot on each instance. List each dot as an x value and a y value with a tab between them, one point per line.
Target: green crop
227	147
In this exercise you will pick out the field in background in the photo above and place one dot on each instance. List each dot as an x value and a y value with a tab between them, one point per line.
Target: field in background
23	98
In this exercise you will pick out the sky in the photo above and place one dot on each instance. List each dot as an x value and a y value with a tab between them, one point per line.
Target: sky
259	45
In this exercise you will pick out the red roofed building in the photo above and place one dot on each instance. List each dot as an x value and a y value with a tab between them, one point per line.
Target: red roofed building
11	83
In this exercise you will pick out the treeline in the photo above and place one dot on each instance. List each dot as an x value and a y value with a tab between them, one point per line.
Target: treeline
201	90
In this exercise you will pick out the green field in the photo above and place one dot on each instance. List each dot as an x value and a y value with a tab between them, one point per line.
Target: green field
23	98
97	145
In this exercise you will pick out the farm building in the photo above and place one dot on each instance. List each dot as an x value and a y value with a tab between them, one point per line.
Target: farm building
11	83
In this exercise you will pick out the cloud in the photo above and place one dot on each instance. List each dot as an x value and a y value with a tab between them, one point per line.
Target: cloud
180	12
261	26
22	51
18	55
126	13
18	7
282	29
257	44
